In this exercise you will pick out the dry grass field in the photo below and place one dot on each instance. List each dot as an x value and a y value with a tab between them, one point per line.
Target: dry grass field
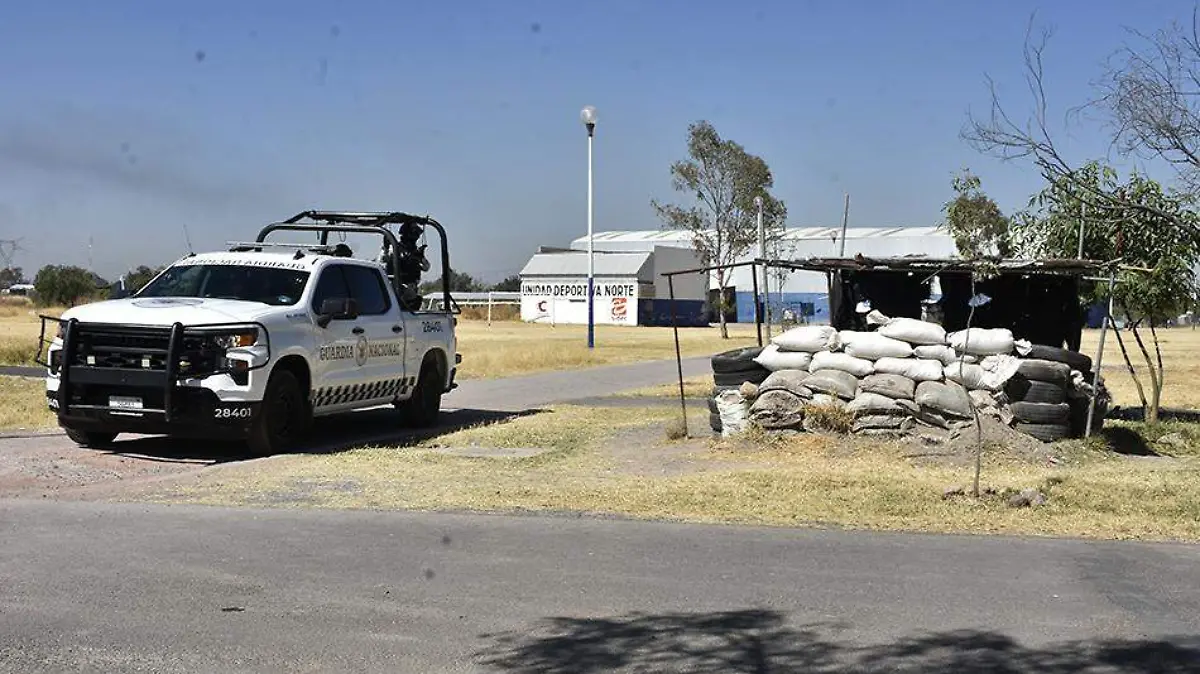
598	462
506	348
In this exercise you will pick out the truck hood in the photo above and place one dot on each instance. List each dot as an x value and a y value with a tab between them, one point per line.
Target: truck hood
168	311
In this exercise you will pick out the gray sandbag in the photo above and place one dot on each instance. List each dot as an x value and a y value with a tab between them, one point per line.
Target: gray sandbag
925	416
834	382
778	409
946	398
889	422
873	404
787	380
890	385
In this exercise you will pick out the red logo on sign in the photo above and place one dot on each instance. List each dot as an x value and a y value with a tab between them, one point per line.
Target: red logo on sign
620	308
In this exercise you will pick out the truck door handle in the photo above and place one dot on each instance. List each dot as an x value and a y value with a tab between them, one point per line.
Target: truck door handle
397	328
358	331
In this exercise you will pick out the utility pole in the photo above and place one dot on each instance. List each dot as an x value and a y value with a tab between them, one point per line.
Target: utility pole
845	222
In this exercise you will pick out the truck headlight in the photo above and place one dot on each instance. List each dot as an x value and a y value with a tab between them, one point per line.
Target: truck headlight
236	340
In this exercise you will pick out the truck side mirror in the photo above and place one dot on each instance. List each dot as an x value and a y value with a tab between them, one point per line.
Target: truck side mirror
337	309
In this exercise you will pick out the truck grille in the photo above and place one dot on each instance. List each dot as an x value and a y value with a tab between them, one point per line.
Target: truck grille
141	348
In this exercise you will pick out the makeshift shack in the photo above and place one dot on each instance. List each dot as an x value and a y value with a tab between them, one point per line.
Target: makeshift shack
899	354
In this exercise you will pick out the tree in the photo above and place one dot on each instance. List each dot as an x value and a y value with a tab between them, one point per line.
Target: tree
723	179
1148	96
460	282
64	286
979	228
1136	235
510	284
136	279
10	276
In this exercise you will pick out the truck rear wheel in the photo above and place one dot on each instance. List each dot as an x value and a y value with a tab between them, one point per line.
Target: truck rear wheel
91	439
422	409
282	419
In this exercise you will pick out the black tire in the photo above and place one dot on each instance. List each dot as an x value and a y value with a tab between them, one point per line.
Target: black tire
284	417
1044	370
423	408
1045	432
735	379
714	422
1041	413
91	439
1073	359
736	360
1020	389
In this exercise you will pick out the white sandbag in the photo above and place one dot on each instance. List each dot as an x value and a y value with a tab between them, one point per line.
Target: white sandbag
948	399
938	352
873	346
810	338
989	375
972	376
873	403
826	400
917	369
982	341
775	359
891	385
828	360
833	382
734	412
914	331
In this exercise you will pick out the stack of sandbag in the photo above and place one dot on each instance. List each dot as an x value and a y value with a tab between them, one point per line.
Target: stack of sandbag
909	371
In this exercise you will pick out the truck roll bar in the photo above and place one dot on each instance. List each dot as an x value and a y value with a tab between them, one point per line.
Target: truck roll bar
324	222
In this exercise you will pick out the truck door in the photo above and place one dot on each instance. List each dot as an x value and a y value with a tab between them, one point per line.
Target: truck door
379	340
335	369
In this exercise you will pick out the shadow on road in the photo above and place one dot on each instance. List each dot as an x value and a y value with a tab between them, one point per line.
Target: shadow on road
762	642
329	435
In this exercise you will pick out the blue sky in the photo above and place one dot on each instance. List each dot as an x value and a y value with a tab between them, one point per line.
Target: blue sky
125	121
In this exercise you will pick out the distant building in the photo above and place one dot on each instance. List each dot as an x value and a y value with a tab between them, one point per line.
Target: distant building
21	289
629	288
803	294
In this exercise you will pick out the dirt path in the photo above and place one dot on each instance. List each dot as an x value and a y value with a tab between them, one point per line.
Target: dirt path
50	466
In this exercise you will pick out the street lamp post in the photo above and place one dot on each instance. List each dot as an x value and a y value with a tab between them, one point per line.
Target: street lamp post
762	253
588	117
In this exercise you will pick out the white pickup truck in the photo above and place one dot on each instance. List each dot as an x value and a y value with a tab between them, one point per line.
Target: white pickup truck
255	342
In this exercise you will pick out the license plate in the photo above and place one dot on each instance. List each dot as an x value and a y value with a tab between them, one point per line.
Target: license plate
125	402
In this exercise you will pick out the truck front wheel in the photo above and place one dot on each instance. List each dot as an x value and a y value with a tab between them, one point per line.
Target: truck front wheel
91	439
281	421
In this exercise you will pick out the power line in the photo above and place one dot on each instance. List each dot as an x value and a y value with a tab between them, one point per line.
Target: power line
9	249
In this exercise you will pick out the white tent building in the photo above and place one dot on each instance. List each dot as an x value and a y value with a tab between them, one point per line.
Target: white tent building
803	293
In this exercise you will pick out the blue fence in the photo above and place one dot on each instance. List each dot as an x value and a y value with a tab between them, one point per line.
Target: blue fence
688	313
805	307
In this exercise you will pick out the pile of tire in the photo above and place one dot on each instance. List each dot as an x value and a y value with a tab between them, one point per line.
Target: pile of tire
1042	398
730	370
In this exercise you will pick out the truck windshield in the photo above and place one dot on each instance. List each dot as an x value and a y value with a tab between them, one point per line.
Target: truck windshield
266	285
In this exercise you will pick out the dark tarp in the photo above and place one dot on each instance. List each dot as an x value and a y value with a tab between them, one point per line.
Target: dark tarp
1042	308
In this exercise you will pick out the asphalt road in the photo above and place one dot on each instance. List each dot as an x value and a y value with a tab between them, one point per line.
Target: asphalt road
122	588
